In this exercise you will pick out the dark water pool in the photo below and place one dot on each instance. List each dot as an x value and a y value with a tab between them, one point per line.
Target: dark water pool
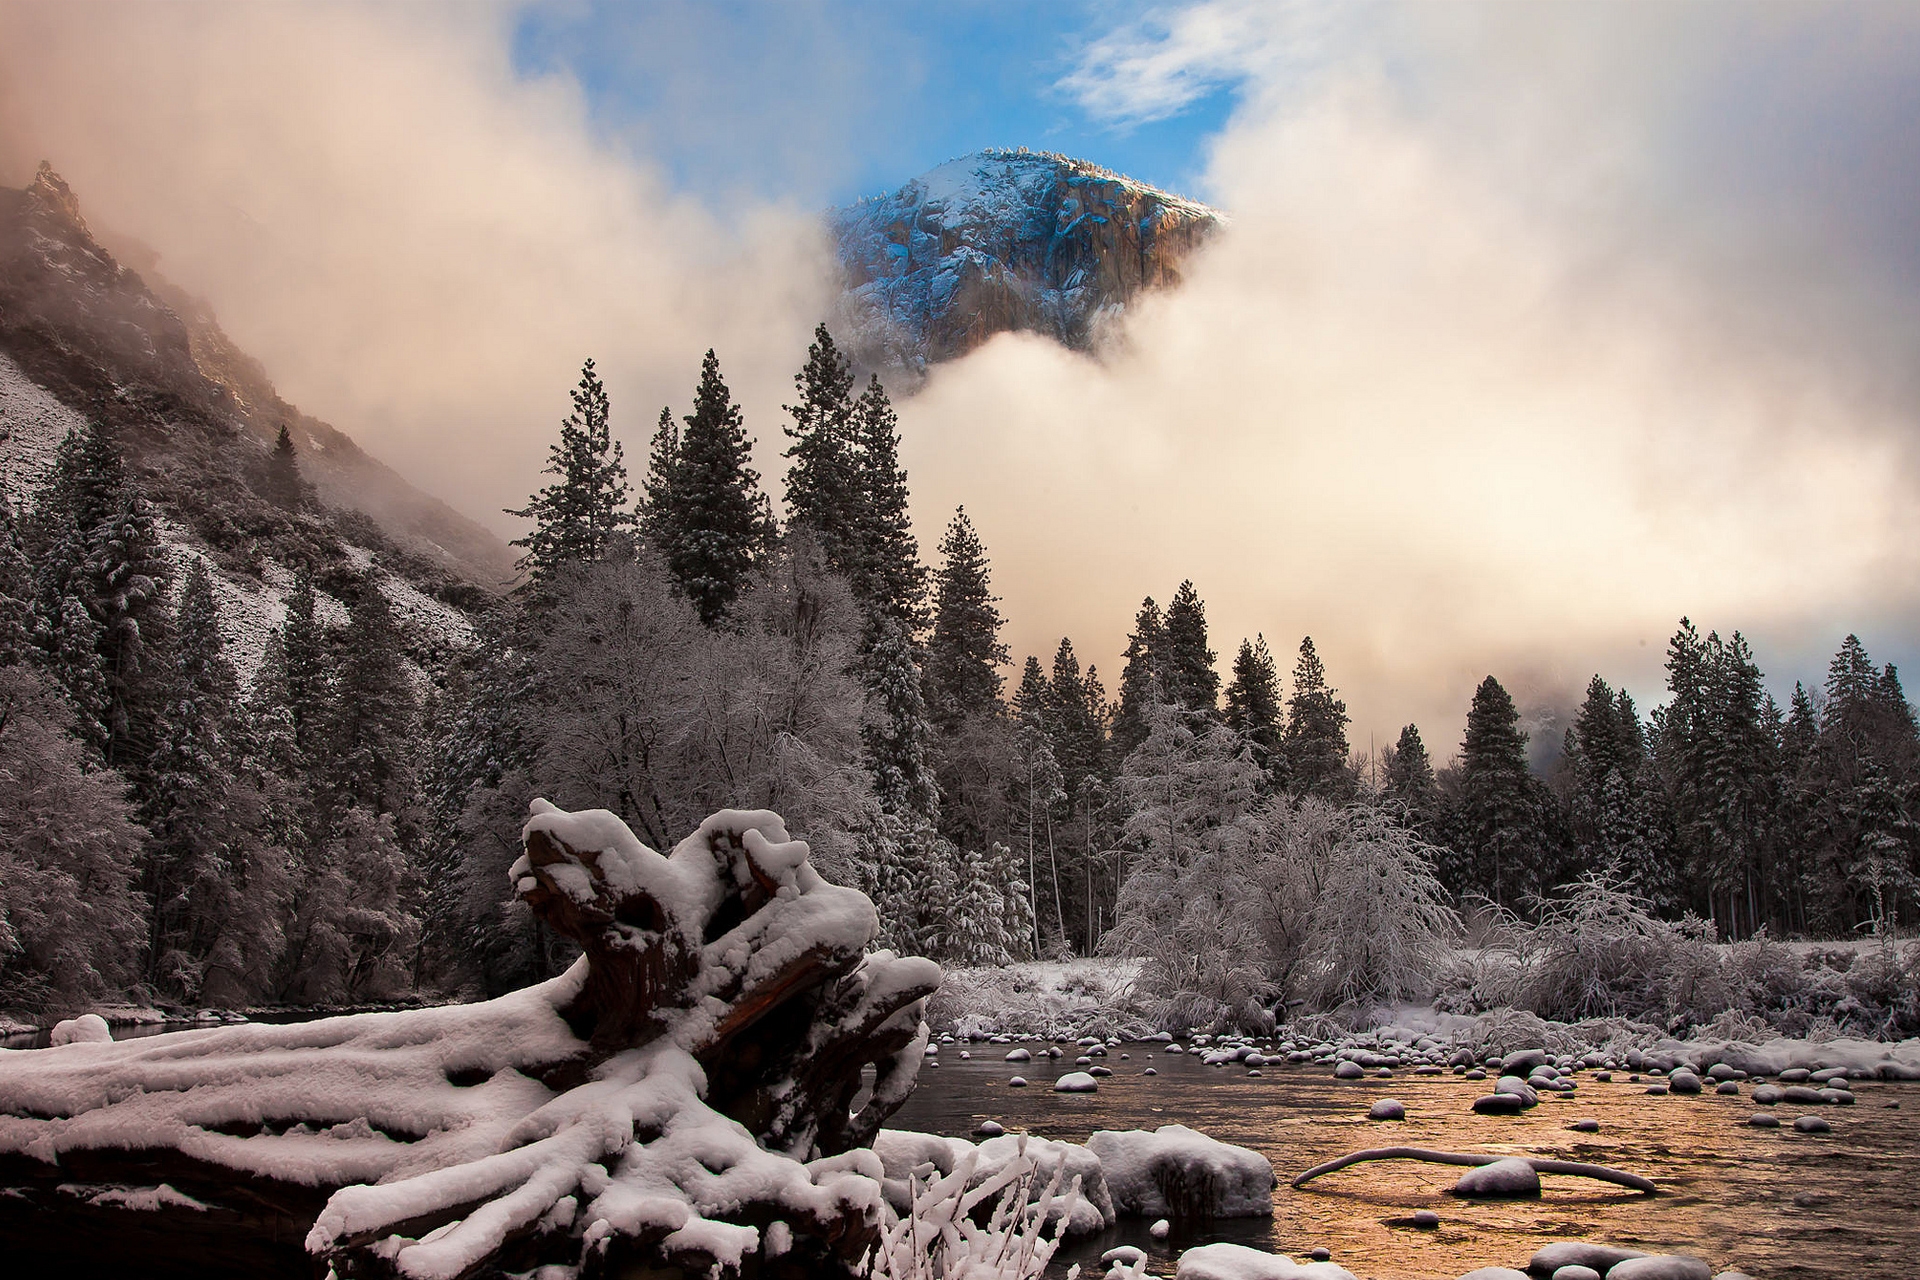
1774	1203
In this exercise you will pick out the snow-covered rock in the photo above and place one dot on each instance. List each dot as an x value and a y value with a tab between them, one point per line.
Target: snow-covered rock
1177	1172
88	1028
1001	241
1237	1262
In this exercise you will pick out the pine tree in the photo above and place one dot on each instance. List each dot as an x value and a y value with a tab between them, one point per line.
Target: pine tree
1316	737
964	655
16	593
284	487
578	518
1410	783
895	730
216	890
887	576
1496	820
823	483
1142	680
373	711
660	514
1254	710
722	526
307	668
129	573
1187	666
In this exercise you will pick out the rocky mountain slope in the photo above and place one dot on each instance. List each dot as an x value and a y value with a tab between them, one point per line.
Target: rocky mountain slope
1004	241
83	337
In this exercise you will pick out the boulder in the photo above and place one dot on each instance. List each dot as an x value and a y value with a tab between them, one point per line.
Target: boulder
1502	1178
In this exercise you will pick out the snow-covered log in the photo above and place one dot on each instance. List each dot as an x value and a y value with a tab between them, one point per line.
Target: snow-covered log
683	1096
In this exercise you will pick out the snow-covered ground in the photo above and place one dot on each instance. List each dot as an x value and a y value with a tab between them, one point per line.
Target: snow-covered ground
32	424
1045	998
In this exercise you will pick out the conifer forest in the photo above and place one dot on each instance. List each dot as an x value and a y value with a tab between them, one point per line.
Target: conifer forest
338	830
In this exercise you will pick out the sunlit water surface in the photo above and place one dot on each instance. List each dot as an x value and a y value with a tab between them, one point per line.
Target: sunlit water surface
1771	1202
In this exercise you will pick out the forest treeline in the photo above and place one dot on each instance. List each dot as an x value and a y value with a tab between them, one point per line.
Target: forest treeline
341	830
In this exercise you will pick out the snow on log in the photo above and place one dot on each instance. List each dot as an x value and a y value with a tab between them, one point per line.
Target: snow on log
681	1097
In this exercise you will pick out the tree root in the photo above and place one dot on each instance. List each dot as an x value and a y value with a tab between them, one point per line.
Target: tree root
1571	1168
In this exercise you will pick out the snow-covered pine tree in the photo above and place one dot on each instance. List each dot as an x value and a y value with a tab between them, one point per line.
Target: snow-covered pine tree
578	517
1187	664
1316	737
66	633
659	515
284	486
374	713
129	575
1254	710
722	527
1410	784
964	655
218	890
895	730
887	577
16	593
72	922
823	483
1141	681
306	669
1495	821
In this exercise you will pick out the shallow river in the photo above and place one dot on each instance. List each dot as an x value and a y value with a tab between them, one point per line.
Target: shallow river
1771	1202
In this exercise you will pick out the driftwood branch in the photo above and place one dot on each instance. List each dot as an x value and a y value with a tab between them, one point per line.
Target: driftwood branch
680	1098
1571	1168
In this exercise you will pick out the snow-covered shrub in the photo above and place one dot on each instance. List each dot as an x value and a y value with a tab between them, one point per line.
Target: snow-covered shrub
1597	950
1380	928
939	1239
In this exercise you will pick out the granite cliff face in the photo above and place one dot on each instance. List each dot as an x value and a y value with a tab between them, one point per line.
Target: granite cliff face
1003	241
199	415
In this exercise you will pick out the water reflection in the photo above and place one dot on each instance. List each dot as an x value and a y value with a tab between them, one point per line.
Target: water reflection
1773	1203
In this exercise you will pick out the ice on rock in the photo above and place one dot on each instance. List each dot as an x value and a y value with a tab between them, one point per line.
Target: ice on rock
1176	1172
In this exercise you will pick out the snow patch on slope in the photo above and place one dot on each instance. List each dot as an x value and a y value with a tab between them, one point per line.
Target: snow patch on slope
32	424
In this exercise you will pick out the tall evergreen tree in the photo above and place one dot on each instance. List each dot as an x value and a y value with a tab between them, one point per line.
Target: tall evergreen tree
1496	815
888	577
129	571
720	526
964	654
1316	738
579	516
1188	664
823	482
1254	709
216	891
1410	781
284	486
373	711
896	729
306	668
1142	679
16	593
659	517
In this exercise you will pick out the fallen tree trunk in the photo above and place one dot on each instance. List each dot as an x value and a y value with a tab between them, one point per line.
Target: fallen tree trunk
681	1097
1571	1168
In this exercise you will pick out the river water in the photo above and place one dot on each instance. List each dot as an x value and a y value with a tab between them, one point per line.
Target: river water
1774	1203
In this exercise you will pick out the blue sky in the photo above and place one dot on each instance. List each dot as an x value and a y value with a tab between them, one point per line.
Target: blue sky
824	102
